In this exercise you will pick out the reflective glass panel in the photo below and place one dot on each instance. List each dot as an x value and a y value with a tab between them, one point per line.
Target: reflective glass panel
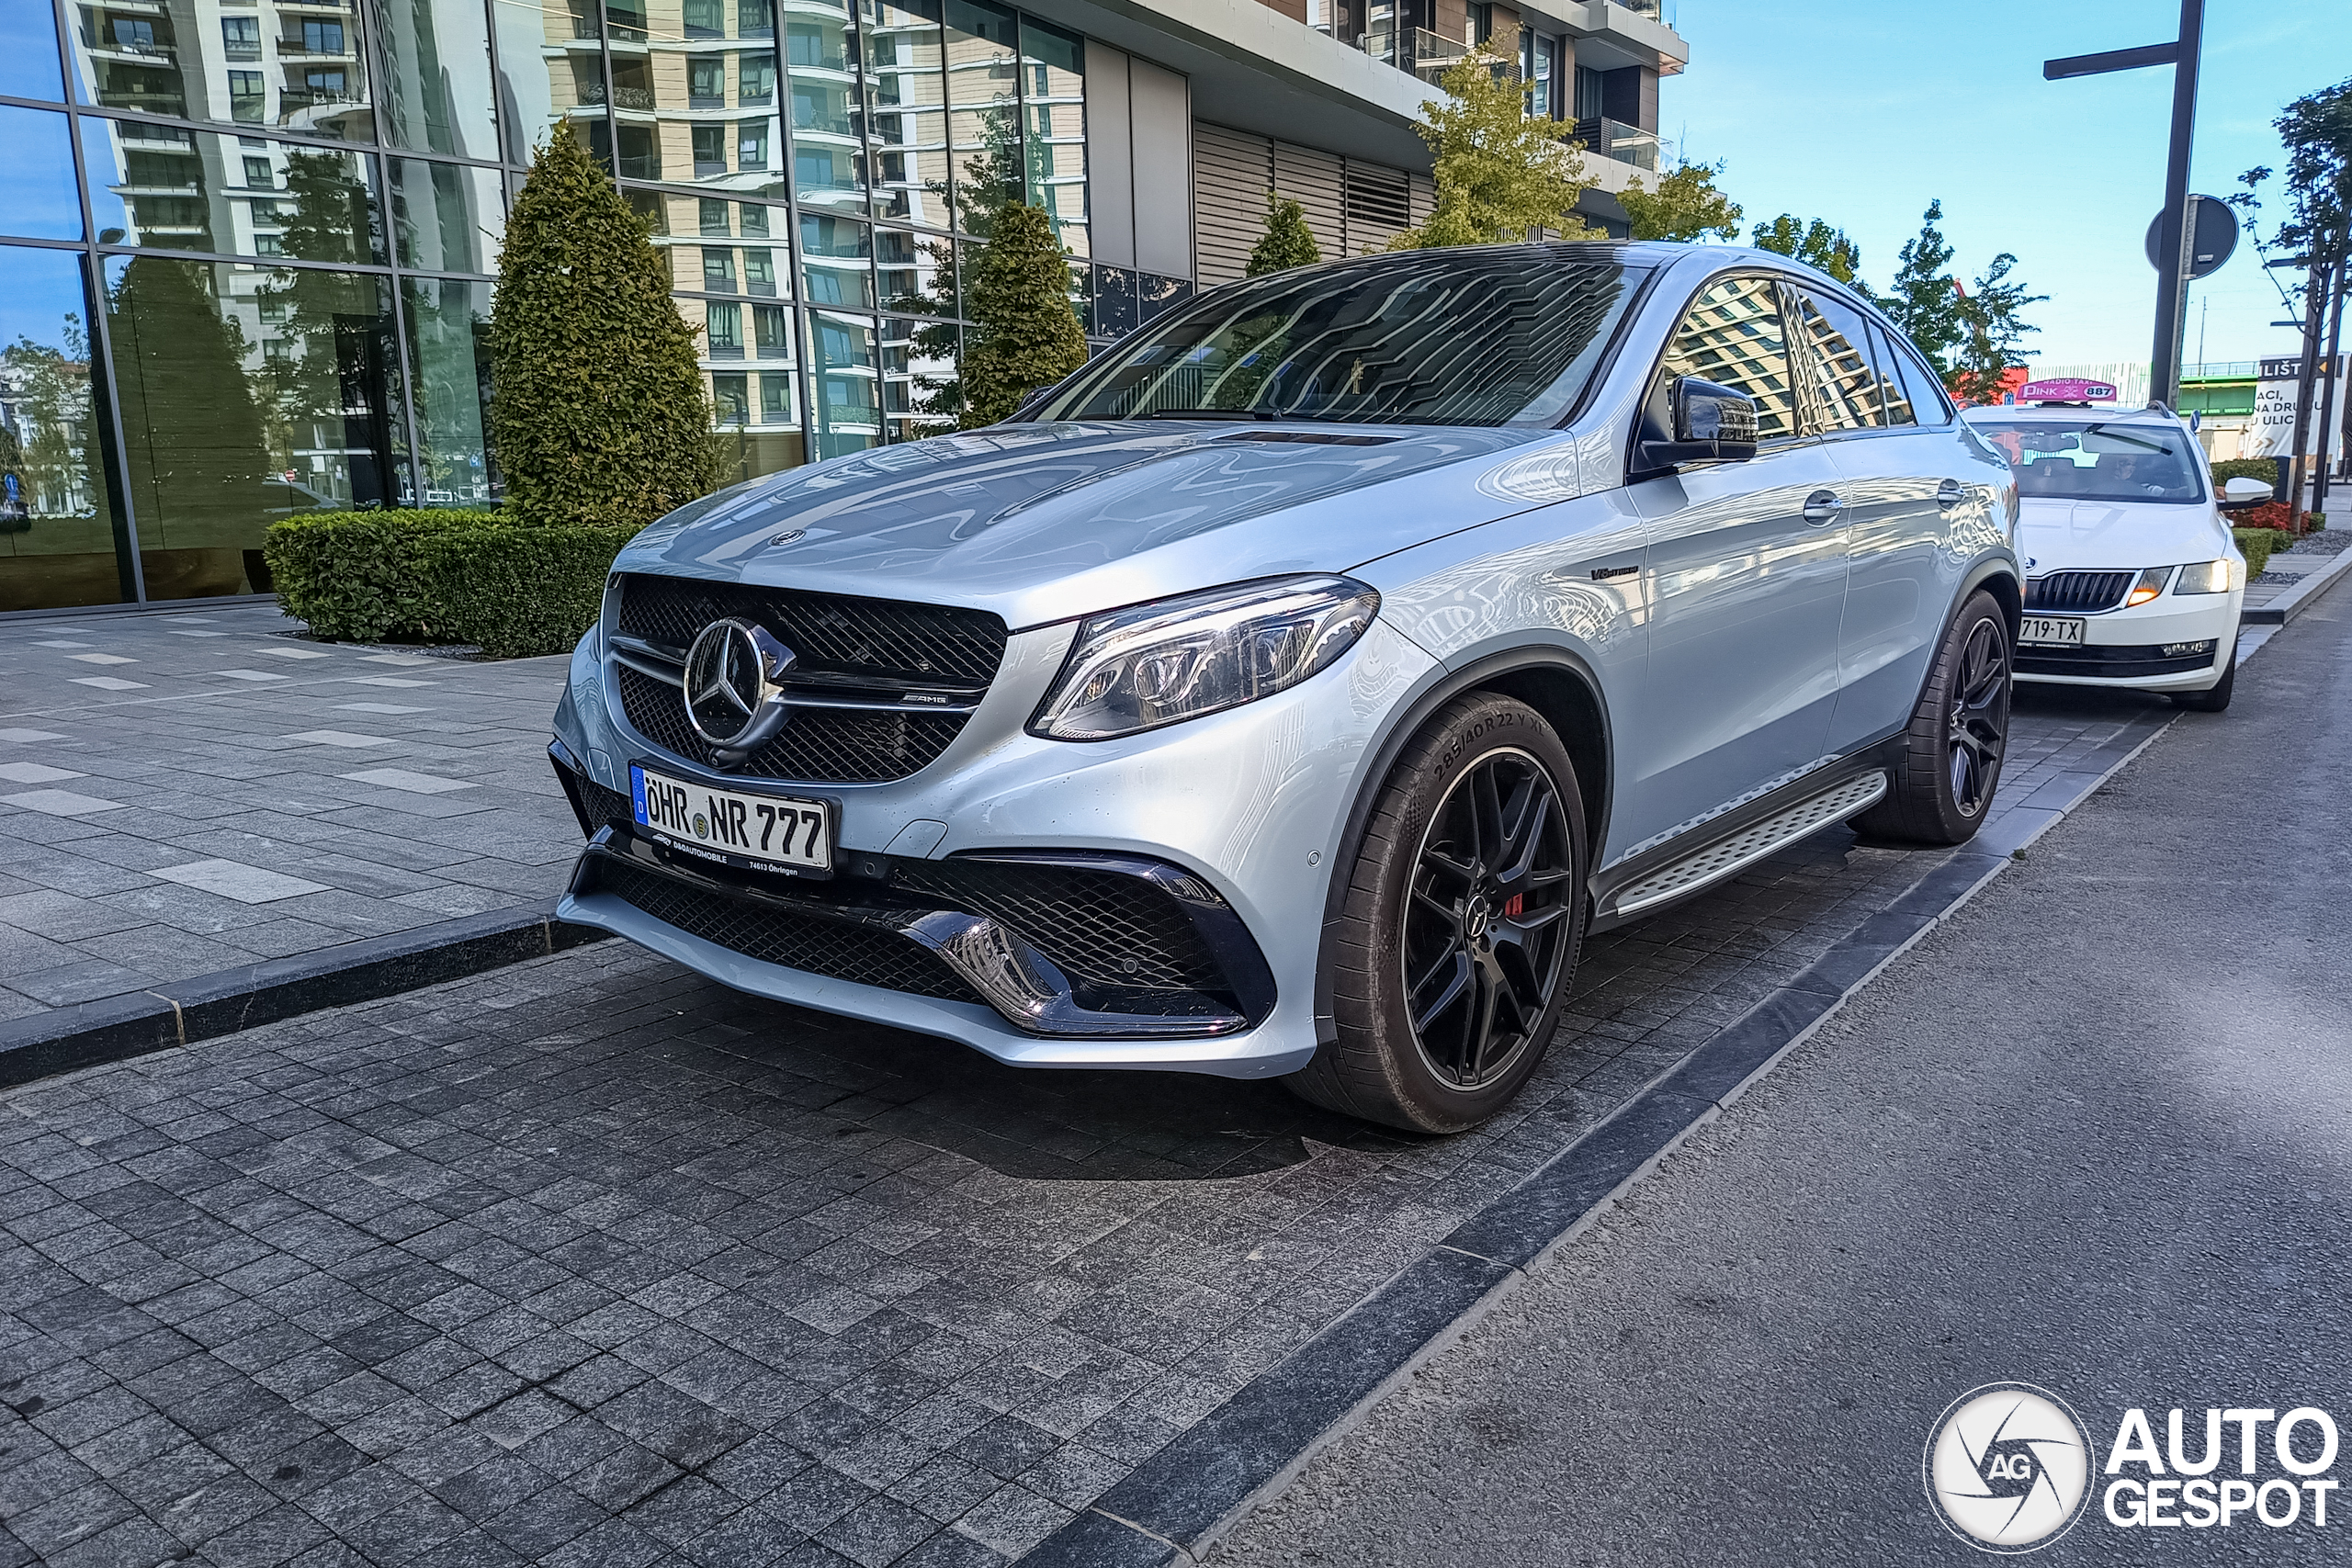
246	396
906	119
447	217
437	61
844	376
918	358
835	261
204	190
1843	384
917	272
983	121
1732	336
1053	113
300	66
820	68
550	70
448	360
28	52
58	527
37	195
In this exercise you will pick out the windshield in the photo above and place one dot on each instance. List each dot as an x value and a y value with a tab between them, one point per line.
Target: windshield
2089	460
1459	337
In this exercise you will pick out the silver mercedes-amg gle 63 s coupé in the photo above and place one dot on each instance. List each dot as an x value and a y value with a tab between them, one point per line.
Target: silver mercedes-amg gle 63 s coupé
1289	690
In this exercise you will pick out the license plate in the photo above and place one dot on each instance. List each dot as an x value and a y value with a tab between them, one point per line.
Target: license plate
781	831
2050	628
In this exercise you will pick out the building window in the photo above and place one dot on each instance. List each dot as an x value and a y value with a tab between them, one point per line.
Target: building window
324	85
717	271
726	334
714	216
239	37
776	397
133	36
247	99
259	176
706	84
1591	94
754	18
710	150
773	325
268	245
755	220
759	272
705	18
321	38
756	82
730	398
752	144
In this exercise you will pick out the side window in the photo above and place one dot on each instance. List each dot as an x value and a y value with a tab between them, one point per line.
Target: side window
1845	383
1928	404
1893	399
1733	336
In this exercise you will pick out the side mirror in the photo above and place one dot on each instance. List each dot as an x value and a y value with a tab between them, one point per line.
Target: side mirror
1709	422
2245	492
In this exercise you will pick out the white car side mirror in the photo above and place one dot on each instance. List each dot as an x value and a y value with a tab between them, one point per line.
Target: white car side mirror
2245	492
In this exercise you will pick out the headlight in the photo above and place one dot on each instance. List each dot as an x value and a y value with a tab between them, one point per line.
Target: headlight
1177	659
2151	584
2208	577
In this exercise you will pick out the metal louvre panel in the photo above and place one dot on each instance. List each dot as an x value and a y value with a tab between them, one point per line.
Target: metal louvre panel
2083	592
837	948
1316	181
1379	206
819	746
1103	926
830	633
1231	170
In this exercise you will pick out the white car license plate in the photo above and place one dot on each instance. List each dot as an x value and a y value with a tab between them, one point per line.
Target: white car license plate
2048	629
764	830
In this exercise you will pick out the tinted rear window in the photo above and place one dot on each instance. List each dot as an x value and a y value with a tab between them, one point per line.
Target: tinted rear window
2094	459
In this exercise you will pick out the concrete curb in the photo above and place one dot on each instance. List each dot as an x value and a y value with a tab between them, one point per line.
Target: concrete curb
2293	601
1249	1450
208	1006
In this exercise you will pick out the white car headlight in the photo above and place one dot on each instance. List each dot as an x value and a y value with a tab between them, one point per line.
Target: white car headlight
2208	577
1173	659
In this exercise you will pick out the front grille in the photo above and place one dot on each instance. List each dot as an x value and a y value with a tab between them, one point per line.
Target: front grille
818	746
2078	593
830	634
840	950
1102	926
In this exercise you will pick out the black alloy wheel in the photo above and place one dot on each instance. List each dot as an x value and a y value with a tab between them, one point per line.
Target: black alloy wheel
1456	923
1980	718
1489	922
1946	761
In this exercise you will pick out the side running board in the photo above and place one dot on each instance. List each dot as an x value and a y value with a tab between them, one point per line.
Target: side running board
1744	849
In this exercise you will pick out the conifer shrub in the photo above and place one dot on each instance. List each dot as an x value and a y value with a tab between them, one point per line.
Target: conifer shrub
1287	242
1025	334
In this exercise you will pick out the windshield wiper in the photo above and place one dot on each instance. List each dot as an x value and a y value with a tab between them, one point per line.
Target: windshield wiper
2112	433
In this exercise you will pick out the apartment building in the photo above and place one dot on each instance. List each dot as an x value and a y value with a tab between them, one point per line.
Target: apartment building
250	245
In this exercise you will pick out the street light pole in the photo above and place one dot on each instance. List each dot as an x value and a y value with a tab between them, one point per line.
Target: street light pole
2172	276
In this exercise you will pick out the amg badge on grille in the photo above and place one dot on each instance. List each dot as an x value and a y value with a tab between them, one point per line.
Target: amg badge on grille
734	692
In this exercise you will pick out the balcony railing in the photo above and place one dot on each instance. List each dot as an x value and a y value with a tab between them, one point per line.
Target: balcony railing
1607	137
1420	51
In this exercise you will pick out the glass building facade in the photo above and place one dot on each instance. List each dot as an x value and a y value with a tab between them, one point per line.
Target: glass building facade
249	245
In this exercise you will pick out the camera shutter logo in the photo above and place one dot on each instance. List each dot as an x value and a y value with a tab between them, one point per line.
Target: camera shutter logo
2008	1468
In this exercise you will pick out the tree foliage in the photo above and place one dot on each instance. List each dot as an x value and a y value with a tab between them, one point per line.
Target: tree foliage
1025	335
1970	332
193	437
1287	242
1501	173
2317	132
1684	206
1815	243
597	408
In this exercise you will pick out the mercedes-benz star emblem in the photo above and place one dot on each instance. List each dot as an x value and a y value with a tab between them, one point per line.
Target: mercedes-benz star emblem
734	691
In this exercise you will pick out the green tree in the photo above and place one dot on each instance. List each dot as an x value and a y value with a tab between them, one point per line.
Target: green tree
1287	242
1025	334
2316	130
597	407
1815	243
192	430
52	388
1684	206
1971	337
1500	172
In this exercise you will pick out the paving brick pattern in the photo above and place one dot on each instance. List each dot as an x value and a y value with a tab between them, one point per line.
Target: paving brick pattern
589	1261
225	791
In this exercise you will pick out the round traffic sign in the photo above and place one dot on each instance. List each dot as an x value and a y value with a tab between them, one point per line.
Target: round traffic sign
2214	233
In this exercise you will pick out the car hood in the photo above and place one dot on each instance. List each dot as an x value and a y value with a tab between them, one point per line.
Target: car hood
2114	535
1041	522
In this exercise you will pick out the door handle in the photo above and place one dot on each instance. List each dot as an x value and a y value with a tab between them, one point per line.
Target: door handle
1949	493
1823	506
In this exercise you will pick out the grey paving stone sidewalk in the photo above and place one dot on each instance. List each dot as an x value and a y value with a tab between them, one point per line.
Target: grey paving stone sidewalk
588	1261
182	794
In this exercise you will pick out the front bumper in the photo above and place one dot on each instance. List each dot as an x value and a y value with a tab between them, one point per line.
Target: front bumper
2148	648
1231	820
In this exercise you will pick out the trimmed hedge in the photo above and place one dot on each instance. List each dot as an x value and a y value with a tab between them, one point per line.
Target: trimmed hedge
2263	469
2257	545
443	577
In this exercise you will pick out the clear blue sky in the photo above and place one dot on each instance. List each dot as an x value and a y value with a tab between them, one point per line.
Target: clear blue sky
1861	111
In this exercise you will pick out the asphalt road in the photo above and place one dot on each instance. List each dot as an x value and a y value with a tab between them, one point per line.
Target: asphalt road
2095	1133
